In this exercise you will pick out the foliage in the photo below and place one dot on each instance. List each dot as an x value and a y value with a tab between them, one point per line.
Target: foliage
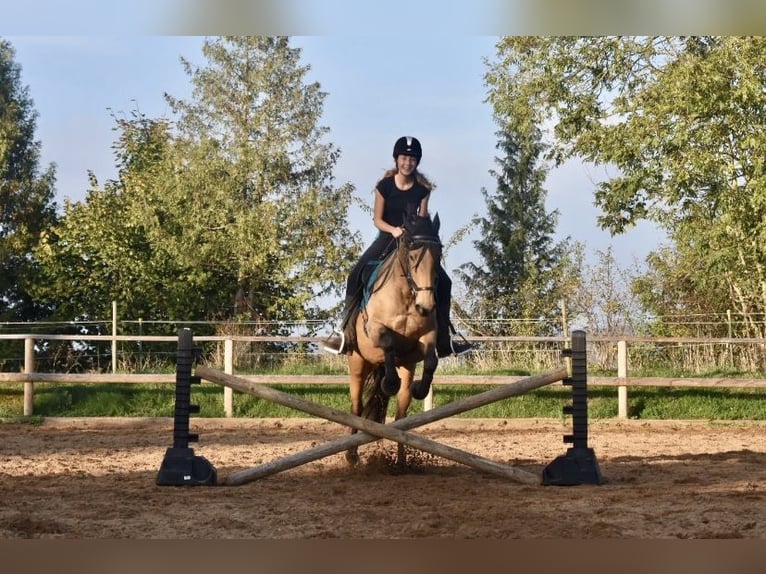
134	241
523	274
257	120
26	195
26	199
228	212
680	122
607	304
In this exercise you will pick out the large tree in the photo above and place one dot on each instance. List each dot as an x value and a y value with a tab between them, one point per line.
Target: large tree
228	210
678	124
266	159
523	275
27	207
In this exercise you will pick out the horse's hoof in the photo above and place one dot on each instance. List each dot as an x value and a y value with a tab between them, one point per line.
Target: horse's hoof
352	458
390	387
419	390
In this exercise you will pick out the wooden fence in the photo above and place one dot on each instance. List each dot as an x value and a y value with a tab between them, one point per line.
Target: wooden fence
622	381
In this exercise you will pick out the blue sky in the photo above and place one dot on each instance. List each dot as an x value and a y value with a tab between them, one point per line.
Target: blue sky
430	86
390	69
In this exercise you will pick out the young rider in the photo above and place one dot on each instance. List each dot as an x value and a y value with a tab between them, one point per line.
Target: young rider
401	190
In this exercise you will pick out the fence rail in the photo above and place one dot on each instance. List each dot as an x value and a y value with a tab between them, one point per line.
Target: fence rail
622	381
486	380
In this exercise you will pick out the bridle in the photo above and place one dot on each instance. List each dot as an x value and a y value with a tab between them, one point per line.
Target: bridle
409	243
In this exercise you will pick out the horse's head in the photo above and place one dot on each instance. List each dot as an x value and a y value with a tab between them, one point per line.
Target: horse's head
423	228
421	252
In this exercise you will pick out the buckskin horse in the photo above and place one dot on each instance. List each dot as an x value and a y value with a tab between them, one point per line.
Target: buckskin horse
395	328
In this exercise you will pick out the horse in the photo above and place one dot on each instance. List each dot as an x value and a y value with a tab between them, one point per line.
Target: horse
395	328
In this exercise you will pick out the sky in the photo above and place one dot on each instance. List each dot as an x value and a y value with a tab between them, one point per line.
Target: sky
431	87
389	69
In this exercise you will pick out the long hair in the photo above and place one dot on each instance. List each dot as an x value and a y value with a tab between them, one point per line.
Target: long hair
419	177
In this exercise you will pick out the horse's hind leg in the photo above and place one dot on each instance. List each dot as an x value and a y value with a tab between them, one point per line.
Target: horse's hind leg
352	454
358	372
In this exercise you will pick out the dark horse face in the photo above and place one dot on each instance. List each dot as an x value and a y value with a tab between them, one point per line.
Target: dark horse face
422	228
423	254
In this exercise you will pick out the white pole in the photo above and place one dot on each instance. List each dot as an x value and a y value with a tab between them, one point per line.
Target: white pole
228	368
622	373
728	345
564	326
428	402
29	367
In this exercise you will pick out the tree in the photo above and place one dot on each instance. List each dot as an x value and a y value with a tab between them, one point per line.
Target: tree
26	194
607	303
254	121
523	275
228	211
679	121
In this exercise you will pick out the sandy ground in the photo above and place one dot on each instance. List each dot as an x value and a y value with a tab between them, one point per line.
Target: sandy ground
95	479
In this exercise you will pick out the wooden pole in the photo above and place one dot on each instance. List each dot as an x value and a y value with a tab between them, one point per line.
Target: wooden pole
29	367
373	431
228	368
114	336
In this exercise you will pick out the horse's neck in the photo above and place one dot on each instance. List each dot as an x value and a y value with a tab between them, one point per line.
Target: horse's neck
392	272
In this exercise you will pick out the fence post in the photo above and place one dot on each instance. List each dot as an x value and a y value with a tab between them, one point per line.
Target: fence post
428	402
228	368
622	373
114	336
29	367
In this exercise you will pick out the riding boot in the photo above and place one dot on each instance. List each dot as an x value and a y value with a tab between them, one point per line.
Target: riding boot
445	344
343	338
443	339
460	347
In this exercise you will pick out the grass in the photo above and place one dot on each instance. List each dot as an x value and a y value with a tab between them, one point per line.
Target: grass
138	400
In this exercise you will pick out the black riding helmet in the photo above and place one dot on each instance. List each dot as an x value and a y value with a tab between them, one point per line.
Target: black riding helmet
408	145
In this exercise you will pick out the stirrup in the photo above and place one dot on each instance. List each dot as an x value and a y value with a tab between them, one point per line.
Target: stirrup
341	346
461	347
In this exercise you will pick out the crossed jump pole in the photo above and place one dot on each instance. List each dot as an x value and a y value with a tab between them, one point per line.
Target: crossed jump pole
568	469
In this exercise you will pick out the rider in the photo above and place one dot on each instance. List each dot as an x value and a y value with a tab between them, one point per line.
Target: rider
402	190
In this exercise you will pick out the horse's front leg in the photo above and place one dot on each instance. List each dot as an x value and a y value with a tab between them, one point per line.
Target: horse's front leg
391	382
421	387
403	400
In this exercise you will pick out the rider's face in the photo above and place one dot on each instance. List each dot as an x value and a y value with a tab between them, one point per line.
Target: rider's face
406	164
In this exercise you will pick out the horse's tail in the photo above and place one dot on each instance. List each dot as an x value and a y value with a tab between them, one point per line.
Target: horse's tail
374	401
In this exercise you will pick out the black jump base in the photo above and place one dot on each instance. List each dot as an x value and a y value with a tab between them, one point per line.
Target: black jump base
579	464
181	467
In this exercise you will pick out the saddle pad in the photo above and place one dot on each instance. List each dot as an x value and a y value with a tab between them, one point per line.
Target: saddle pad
369	276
